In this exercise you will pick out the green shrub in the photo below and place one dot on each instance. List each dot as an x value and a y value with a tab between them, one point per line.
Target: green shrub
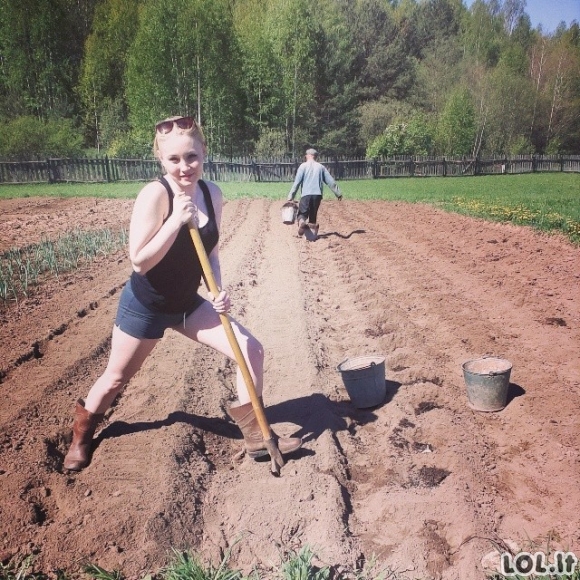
29	138
131	145
412	136
271	143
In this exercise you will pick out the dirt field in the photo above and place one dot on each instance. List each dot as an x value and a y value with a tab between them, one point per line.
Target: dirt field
422	482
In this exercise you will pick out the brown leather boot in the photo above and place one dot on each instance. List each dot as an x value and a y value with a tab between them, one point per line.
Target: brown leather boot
245	418
84	426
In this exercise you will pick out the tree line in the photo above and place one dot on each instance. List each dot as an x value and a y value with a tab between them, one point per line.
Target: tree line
271	77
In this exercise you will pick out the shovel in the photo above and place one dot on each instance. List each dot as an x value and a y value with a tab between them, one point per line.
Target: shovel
276	457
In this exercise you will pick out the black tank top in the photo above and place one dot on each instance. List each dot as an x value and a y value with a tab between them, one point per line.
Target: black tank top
171	285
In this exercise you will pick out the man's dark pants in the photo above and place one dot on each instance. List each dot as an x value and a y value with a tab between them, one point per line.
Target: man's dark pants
308	208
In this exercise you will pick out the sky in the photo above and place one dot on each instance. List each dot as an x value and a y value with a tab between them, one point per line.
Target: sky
549	13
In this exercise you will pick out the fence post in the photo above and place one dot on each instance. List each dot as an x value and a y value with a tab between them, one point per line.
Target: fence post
256	171
107	169
49	171
444	167
411	167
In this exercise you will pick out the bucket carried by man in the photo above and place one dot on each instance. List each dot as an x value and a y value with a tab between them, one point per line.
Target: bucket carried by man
289	211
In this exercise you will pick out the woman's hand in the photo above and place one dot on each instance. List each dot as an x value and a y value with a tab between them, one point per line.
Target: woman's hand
221	304
183	208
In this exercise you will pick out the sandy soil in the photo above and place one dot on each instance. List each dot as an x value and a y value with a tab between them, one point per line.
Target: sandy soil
422	482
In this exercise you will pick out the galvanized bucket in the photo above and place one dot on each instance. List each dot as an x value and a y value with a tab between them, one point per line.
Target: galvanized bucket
289	211
487	380
364	380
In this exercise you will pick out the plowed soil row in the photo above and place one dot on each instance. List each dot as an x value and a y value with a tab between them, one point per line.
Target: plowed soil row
422	482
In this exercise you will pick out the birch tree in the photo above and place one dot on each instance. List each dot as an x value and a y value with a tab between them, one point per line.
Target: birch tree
295	37
184	61
102	80
261	78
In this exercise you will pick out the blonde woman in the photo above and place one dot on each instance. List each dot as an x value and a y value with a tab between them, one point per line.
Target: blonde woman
162	292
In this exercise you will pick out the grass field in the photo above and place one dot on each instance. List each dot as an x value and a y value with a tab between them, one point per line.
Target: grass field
547	201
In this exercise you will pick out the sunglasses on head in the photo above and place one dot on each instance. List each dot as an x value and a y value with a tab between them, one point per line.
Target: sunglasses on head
167	126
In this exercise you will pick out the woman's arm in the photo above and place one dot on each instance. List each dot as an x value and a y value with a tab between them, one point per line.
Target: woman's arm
150	238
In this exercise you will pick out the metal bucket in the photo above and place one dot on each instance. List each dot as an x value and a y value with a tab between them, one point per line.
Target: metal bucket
487	380
289	211
364	380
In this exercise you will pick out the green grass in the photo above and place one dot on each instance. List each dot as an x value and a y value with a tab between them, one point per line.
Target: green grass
549	202
116	190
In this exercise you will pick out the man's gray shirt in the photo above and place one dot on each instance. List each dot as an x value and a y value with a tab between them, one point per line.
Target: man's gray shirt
312	176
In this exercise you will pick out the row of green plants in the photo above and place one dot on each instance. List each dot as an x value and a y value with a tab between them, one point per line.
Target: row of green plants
186	565
22	268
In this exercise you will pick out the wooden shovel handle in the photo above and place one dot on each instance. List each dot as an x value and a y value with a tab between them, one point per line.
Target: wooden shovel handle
225	320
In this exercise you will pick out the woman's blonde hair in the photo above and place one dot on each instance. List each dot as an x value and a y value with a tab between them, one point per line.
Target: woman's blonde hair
194	130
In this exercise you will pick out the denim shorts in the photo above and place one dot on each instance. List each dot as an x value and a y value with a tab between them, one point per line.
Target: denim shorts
138	321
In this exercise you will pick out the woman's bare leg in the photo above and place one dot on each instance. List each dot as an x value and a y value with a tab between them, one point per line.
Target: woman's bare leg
127	356
204	326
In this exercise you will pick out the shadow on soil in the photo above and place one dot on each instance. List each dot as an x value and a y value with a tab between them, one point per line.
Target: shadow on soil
336	234
314	414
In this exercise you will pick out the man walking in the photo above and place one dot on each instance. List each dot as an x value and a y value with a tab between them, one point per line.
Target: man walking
311	176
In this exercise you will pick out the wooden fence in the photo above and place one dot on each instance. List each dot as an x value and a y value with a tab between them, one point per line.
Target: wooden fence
248	169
